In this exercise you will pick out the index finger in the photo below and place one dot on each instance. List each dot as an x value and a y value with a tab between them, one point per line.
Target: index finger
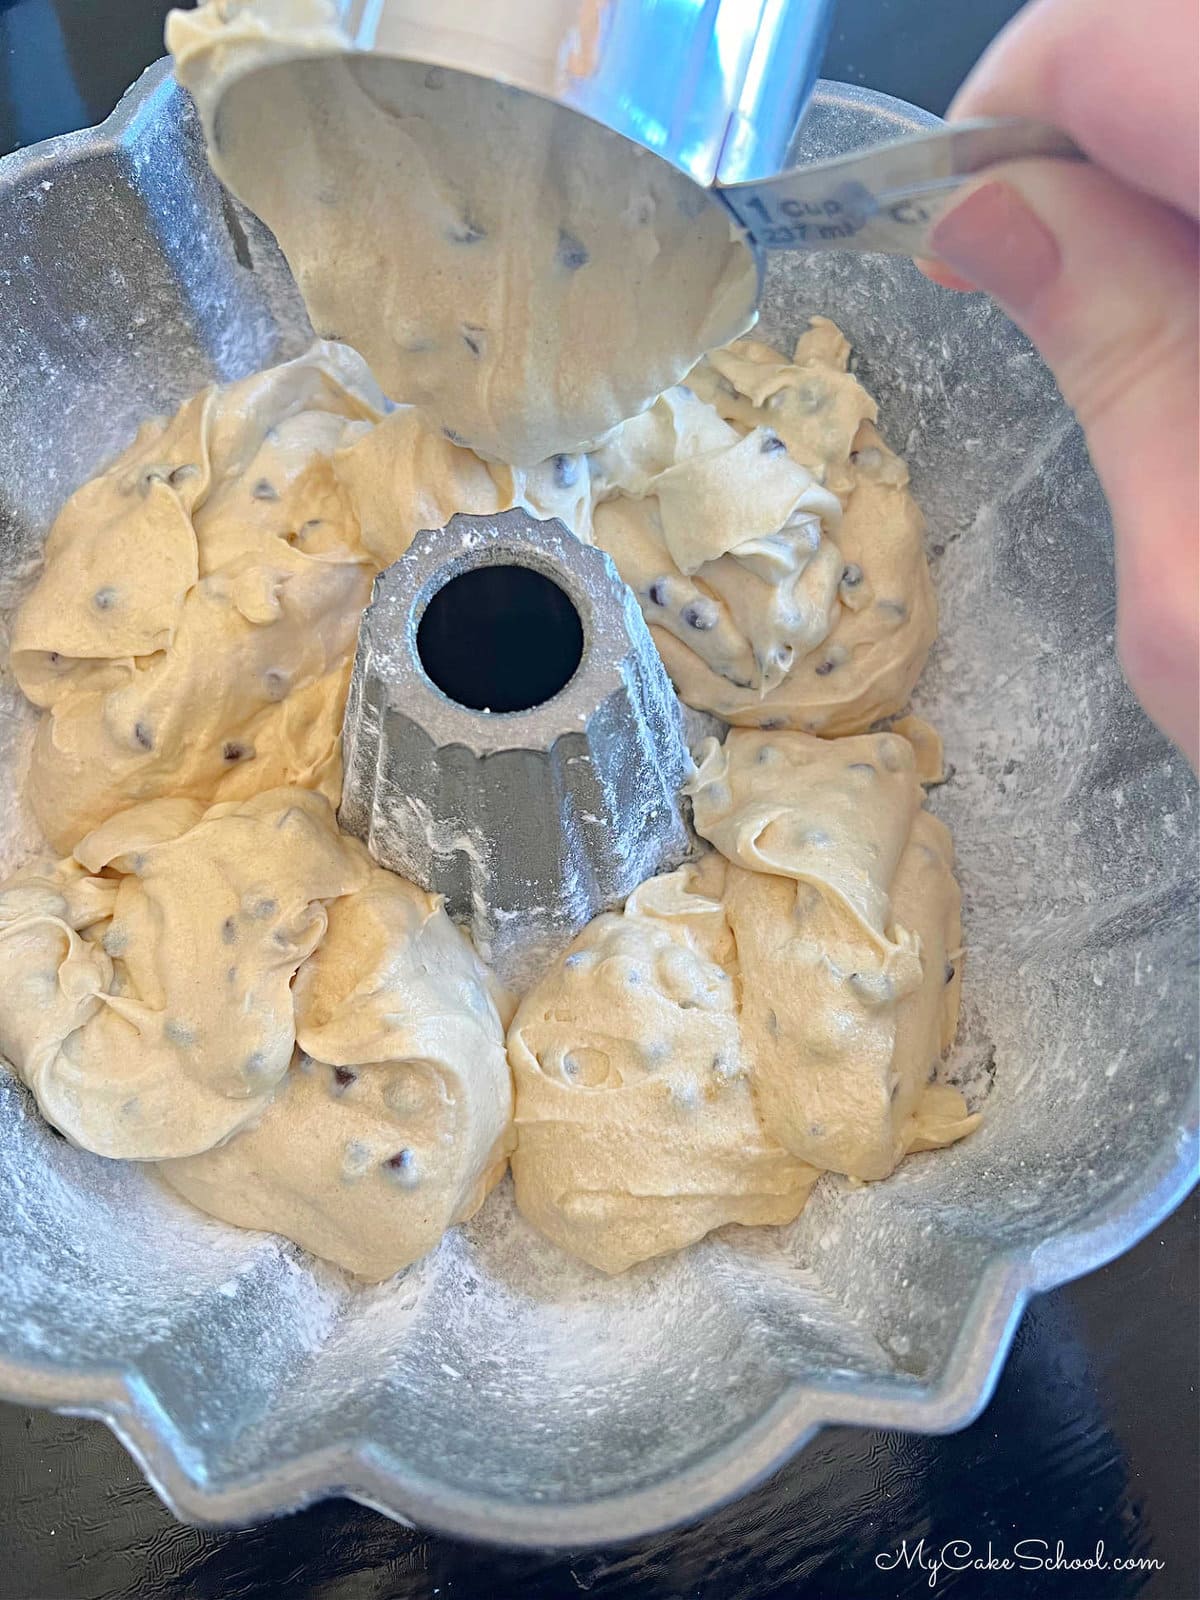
1123	80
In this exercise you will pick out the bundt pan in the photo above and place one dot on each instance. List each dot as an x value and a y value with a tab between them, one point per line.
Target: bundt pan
498	1390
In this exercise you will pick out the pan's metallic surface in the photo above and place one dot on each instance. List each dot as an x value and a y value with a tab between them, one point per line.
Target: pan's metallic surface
497	1390
529	820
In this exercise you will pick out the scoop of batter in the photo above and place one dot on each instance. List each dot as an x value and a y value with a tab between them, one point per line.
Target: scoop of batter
720	537
636	1128
193	630
844	908
524	276
395	1120
147	998
778	561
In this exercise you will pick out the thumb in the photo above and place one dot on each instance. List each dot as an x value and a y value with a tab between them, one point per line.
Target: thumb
1102	278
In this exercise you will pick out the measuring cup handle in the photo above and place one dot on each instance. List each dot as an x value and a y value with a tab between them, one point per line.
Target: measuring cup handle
885	199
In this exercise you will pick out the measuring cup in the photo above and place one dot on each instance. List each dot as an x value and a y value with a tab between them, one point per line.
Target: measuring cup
718	90
437	172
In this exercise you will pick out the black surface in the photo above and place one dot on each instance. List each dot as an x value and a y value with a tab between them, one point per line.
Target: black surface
1092	1435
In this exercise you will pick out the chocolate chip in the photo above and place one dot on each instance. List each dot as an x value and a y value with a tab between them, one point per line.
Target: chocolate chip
142	736
572	253
229	931
466	232
473	338
105	599
700	614
343	1077
658	591
232	751
949	972
566	471
824	668
772	445
852	575
263	490
773	724
53	658
402	1166
275	681
454	438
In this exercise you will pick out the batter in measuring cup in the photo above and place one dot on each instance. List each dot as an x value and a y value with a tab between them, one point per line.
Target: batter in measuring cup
462	235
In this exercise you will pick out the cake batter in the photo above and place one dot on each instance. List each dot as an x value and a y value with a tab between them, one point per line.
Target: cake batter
215	980
637	1131
776	1011
396	1118
147	999
193	629
823	624
461	234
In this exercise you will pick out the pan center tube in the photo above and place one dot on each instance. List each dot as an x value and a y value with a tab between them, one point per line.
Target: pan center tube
512	740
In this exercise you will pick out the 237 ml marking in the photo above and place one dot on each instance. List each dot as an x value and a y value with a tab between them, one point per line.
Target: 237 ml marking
799	221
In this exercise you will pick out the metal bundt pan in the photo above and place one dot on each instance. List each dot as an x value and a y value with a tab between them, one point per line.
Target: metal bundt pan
497	1390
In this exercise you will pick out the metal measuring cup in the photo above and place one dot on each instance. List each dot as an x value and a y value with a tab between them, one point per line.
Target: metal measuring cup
717	91
646	141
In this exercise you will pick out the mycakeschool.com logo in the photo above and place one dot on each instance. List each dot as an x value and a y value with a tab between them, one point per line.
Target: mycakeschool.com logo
1026	1555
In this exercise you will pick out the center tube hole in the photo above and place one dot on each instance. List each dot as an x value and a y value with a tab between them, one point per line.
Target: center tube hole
500	638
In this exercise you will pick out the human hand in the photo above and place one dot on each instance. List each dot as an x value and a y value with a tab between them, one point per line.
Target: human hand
1098	264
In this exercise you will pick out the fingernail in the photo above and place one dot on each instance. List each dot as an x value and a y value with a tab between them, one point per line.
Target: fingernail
995	240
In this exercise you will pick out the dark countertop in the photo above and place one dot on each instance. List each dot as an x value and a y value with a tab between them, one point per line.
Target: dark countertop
1092	1435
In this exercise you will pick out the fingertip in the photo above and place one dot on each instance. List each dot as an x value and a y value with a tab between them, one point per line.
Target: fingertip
938	272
